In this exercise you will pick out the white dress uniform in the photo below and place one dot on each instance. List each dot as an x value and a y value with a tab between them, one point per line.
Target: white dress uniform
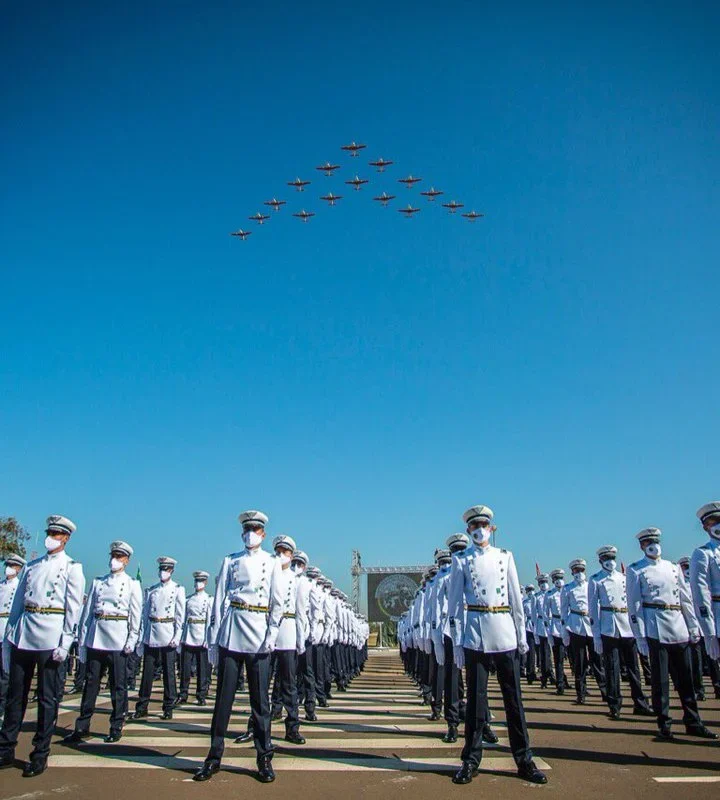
544	641
555	631
41	628
194	642
532	642
705	584
8	587
304	610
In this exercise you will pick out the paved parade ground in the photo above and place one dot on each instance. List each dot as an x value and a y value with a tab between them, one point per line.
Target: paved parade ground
376	740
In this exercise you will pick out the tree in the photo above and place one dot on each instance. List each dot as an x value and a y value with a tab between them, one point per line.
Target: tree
12	537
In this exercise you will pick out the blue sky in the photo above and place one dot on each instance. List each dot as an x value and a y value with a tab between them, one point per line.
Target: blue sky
362	378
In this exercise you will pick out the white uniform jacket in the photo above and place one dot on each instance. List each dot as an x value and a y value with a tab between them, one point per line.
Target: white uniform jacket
659	602
574	608
247	606
198	613
439	626
290	633
163	614
317	612
486	580
112	612
528	610
553	613
538	613
608	605
705	584
302	606
46	609
7	594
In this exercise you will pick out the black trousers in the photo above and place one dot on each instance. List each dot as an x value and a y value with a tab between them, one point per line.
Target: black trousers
617	651
451	692
530	669
23	664
164	659
285	688
319	670
696	664
584	658
116	663
306	678
477	715
545	659
558	651
4	679
672	660
257	666
199	656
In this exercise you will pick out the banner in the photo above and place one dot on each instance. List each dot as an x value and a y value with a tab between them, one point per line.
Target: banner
390	594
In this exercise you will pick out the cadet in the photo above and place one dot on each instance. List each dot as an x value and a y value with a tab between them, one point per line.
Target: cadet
304	610
612	635
8	586
555	628
42	625
317	630
531	656
437	615
705	586
577	634
663	621
161	628
247	610
194	641
109	629
697	649
542	633
493	633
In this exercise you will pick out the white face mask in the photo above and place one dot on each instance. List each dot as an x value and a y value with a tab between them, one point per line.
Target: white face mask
481	535
543	586
579	576
165	575
116	565
199	586
284	559
686	572
10	572
251	539
299	568
559	583
653	550
609	565
715	531
52	544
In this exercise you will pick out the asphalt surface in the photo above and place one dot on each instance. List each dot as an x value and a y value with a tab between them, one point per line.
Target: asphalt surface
376	740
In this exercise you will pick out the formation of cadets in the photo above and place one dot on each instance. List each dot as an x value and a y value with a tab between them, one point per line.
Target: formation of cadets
470	618
272	614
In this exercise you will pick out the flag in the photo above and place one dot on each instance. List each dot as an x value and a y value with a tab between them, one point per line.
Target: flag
537	570
138	576
622	567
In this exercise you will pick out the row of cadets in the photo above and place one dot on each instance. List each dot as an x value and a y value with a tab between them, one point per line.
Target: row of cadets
41	627
14	563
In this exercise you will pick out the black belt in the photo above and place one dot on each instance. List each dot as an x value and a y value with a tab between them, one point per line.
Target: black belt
613	609
663	606
489	609
579	613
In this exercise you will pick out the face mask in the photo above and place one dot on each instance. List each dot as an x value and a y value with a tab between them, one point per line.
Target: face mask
609	565
559	583
10	572
251	538
715	531
165	575
653	550
543	586
199	586
285	559
481	535
579	576
299	568
686	572
52	544
116	565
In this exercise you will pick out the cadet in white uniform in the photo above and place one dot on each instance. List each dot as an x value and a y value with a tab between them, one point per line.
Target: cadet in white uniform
542	635
161	628
612	636
663	621
485	578
577	635
697	649
705	586
304	610
8	586
247	610
109	628
556	629
194	641
41	628
317	630
531	656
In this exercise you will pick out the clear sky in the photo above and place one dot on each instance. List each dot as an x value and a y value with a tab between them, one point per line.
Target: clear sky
362	378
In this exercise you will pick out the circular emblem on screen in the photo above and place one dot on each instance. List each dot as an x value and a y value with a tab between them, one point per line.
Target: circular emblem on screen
394	595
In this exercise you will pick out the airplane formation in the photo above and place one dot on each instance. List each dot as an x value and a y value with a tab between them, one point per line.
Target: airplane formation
380	164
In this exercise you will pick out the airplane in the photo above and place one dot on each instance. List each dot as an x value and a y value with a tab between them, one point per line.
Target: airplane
298	184
384	198
408	211
328	168
432	193
473	215
331	198
380	164
356	182
259	218
304	215
242	234
353	148
274	203
409	180
453	206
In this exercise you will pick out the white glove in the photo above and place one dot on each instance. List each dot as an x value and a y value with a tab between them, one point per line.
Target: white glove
694	637
128	649
642	646
712	645
439	653
459	656
566	639
427	643
59	654
300	649
213	655
82	654
523	647
140	649
266	647
597	641
173	644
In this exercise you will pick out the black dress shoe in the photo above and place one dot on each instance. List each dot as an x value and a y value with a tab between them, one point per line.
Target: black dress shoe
529	772
489	735
717	693
560	690
139	714
701	731
614	714
179	701
7	761
277	716
700	696
265	770
112	737
75	737
665	732
329	696
323	704
311	716
32	770
167	714
643	711
451	735
294	738
244	737
202	701
208	769
434	717
465	774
